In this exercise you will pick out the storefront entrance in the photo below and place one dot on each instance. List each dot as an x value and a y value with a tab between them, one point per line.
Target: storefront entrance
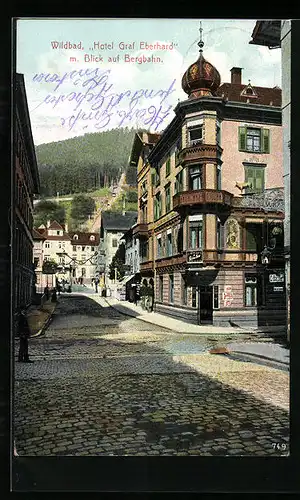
205	305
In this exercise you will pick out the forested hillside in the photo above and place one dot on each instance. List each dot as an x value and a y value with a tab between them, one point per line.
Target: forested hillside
84	164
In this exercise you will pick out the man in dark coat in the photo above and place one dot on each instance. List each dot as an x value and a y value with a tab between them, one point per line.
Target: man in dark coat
24	333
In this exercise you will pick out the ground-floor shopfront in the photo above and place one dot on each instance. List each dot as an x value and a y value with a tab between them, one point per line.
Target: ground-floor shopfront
233	295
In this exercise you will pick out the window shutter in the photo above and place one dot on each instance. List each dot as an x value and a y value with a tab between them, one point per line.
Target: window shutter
249	178
265	140
259	179
242	138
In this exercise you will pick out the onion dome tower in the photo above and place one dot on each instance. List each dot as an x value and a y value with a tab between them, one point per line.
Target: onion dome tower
201	78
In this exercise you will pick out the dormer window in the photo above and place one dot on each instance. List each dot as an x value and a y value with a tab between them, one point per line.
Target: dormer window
75	237
92	237
249	91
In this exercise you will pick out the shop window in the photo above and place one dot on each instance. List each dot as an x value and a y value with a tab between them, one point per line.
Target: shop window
171	288
216	297
256	140
194	296
161	288
253	290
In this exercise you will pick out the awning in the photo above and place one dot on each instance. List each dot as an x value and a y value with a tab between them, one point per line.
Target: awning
126	279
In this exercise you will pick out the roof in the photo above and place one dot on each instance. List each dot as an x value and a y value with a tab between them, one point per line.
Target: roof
36	234
265	95
116	221
266	33
84	238
64	237
56	225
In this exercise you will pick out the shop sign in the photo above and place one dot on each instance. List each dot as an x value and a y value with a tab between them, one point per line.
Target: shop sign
278	288
195	256
227	295
276	277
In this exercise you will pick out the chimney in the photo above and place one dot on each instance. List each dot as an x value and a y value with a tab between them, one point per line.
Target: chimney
236	75
48	223
66	227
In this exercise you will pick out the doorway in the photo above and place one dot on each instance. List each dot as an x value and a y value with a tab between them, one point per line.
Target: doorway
205	305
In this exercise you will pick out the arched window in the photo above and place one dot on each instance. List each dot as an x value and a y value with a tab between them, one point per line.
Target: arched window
75	237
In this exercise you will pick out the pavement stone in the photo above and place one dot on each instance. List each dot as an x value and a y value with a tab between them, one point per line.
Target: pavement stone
154	394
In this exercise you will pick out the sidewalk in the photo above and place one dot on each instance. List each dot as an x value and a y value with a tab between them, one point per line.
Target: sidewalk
179	326
39	317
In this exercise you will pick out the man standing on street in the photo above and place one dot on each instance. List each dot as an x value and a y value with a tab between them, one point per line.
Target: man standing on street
24	333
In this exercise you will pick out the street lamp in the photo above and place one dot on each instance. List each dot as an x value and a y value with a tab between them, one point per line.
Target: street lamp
265	255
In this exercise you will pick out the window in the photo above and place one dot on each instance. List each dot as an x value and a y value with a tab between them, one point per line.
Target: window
92	237
159	247
168	198
179	182
169	245
74	248
255	178
219	179
254	237
75	237
161	288
195	178
114	242
47	245
216	297
157	206
83	249
171	288
194	296
58	233
218	133
36	261
168	167
256	140
92	249
184	290
177	150
59	245
195	135
253	290
196	232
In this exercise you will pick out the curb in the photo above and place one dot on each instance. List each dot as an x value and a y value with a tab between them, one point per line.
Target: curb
265	360
45	325
237	331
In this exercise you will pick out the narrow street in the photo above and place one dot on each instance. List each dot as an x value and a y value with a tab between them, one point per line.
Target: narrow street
103	383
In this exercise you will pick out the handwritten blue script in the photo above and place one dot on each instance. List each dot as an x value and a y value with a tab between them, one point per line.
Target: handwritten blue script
95	100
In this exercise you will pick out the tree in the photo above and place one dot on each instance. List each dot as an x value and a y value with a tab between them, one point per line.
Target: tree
118	262
49	267
132	196
48	210
82	207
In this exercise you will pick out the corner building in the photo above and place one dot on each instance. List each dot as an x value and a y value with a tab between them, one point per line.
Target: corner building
211	199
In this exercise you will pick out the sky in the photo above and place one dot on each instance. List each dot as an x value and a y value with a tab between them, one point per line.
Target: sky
76	89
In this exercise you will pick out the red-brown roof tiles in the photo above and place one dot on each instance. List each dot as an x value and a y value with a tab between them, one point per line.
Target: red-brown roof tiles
55	225
84	239
37	234
265	95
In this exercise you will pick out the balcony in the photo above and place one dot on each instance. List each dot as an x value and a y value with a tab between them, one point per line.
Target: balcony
140	231
201	197
200	153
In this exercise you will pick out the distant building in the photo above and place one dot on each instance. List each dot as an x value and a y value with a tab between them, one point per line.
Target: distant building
113	226
38	258
211	206
84	255
26	185
132	261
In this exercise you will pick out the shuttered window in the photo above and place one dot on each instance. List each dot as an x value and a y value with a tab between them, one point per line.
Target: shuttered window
168	198
168	167
255	178
256	140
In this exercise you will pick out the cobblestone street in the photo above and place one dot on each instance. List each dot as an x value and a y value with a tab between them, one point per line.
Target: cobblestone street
106	384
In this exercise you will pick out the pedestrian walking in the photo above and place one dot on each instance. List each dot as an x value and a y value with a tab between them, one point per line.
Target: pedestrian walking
96	285
46	292
24	333
53	295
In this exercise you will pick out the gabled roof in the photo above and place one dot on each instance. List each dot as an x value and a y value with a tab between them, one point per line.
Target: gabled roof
84	238
36	234
265	95
116	221
267	33
55	225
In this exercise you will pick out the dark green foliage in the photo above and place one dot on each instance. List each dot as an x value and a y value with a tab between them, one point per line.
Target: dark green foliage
82	207
132	196
48	210
85	163
118	262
